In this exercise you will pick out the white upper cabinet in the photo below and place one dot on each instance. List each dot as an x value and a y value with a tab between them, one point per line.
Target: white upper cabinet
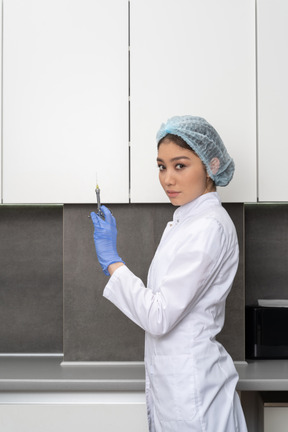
1	104
272	99
193	57
65	106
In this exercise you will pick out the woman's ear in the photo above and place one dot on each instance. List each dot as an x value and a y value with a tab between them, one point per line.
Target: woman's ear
214	165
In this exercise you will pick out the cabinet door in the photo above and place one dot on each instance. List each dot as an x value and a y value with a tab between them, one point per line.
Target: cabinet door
272	99
65	101
1	149
275	418
74	417
193	57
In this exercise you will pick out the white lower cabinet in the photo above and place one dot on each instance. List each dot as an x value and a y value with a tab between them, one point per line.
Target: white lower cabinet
118	415
276	418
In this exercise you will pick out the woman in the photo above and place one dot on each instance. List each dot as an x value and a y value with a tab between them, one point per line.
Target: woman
190	378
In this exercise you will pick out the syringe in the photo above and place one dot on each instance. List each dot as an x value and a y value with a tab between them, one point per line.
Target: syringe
99	211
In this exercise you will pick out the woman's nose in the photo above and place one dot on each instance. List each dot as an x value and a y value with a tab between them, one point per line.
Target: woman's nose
169	178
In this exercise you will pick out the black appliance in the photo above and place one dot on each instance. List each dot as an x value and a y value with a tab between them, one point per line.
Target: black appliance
266	331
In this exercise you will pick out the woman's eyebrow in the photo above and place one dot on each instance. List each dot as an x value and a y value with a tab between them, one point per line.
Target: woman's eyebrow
174	159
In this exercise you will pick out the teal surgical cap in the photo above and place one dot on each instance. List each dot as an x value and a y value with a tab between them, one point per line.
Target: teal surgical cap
205	142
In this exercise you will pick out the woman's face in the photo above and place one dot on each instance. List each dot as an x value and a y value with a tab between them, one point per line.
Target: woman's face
182	173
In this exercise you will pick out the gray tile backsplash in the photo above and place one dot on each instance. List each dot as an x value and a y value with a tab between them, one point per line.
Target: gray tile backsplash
266	251
233	333
93	328
31	279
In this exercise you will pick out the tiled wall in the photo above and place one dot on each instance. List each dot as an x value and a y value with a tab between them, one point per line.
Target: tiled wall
266	251
32	281
93	328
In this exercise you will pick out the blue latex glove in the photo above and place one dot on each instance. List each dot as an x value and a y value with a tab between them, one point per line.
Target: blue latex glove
105	239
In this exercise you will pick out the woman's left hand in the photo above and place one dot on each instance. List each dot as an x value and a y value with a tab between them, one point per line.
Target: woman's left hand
105	239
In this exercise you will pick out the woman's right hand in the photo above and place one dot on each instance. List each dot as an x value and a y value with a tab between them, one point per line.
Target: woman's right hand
105	239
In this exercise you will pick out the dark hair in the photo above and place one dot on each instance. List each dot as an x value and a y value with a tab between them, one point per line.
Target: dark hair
176	140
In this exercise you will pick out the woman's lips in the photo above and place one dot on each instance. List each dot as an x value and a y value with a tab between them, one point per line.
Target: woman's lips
172	194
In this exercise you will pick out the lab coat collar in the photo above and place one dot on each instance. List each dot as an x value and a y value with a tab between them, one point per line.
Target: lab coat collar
199	204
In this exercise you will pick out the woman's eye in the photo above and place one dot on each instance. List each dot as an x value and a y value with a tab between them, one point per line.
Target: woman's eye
161	167
179	166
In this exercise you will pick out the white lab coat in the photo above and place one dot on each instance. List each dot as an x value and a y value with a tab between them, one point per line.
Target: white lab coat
190	378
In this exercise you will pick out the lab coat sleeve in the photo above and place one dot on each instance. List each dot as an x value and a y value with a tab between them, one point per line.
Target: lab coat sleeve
190	274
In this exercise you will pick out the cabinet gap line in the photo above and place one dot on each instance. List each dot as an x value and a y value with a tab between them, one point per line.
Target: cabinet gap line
2	48
129	111
257	103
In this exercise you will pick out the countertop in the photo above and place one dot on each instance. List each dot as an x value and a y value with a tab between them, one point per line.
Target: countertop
51	374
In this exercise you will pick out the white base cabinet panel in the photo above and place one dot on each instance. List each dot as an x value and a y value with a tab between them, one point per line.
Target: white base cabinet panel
275	419
193	57
74	418
65	101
